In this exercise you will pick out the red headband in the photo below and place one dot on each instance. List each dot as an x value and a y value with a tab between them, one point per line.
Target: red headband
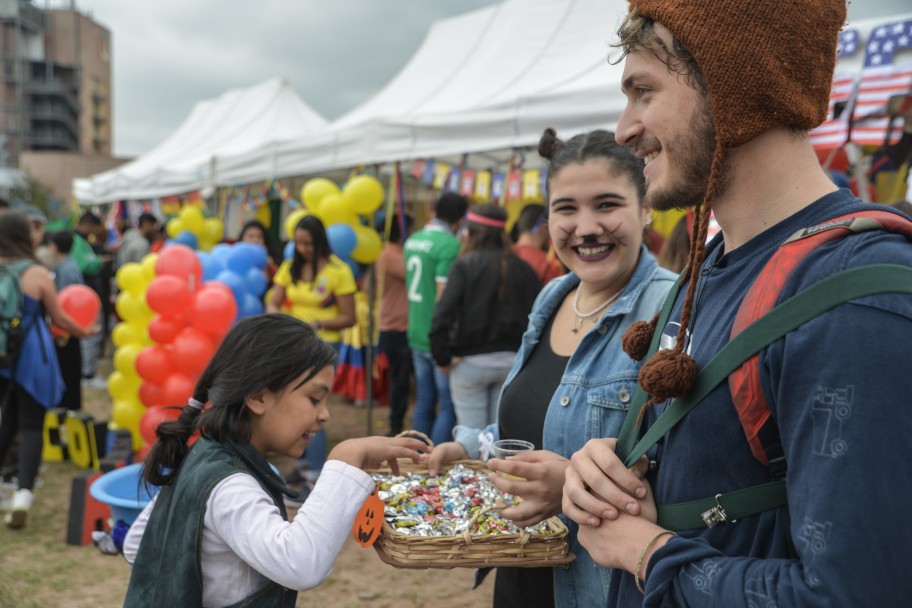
486	221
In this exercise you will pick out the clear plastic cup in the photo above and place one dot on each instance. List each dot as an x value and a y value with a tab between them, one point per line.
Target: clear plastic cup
511	447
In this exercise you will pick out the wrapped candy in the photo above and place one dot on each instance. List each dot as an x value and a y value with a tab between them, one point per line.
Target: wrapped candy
445	505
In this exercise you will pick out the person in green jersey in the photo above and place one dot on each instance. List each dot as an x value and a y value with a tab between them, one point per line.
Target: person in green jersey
429	253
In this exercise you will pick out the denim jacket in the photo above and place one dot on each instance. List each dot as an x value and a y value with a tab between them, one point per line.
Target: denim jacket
591	401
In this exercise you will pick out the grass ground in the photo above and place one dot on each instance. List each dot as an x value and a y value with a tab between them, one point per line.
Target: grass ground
38	569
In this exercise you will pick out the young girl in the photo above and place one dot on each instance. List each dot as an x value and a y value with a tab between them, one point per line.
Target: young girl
217	534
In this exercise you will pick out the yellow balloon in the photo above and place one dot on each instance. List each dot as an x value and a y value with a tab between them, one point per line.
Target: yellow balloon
192	219
130	277
123	387
127	414
148	266
174	227
125	359
132	308
292	220
128	333
214	230
205	245
369	244
364	194
335	210
263	215
315	190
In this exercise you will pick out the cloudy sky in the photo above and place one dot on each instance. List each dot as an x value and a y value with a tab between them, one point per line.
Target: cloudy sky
169	54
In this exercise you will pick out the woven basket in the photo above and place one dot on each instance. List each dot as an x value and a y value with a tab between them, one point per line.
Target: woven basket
472	550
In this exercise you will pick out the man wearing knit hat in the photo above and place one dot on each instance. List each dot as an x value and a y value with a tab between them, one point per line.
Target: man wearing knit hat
805	504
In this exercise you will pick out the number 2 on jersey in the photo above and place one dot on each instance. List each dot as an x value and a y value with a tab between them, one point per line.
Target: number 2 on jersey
414	266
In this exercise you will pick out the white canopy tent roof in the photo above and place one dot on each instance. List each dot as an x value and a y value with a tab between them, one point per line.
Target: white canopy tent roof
489	80
235	123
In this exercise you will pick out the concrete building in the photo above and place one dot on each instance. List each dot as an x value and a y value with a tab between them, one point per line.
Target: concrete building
55	81
55	93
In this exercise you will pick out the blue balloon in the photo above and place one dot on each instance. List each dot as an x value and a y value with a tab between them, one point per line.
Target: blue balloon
252	306
221	252
355	268
236	283
288	253
342	239
256	282
187	238
244	256
212	265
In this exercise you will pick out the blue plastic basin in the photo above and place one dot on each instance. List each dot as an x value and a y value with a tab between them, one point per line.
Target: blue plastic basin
123	490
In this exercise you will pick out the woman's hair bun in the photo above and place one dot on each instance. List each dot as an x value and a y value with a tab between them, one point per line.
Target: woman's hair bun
549	145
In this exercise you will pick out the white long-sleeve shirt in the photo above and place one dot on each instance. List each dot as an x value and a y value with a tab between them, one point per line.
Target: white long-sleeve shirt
246	542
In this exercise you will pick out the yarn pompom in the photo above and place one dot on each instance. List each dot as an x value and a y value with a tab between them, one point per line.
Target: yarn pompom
637	338
668	374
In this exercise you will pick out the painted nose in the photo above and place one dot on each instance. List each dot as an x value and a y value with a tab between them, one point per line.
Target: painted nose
589	225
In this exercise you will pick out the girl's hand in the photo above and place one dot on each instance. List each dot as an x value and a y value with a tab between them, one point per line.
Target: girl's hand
541	486
371	452
444	453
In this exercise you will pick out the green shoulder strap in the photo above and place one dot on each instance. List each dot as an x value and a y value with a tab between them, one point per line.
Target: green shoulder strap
790	314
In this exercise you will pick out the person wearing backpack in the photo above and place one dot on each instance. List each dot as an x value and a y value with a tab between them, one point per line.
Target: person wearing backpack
29	373
764	462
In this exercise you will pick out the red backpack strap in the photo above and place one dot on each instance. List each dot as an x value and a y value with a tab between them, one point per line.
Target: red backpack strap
744	383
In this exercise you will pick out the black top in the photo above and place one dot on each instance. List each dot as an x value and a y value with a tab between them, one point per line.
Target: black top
525	402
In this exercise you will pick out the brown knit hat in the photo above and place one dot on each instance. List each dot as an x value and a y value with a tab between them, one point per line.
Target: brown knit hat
766	64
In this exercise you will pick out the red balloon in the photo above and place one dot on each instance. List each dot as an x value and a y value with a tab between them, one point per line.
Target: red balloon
168	295
179	261
191	350
153	417
213	309
142	452
81	303
154	364
151	394
178	388
164	329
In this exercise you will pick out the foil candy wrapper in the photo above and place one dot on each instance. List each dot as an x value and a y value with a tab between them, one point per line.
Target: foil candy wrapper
418	504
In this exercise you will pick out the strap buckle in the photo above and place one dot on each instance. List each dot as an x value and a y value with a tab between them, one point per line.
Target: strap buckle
716	515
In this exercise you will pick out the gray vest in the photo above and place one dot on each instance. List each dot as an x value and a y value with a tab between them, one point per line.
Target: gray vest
167	570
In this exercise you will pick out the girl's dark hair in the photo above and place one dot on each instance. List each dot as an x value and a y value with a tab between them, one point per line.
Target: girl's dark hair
322	251
261	353
63	240
598	144
271	250
480	237
16	236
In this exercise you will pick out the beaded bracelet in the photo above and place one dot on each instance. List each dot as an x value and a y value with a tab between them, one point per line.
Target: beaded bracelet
636	573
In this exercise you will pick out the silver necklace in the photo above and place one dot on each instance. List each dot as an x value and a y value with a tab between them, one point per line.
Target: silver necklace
580	316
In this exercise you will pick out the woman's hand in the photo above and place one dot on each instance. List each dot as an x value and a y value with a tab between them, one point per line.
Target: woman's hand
445	453
598	485
619	543
540	486
371	452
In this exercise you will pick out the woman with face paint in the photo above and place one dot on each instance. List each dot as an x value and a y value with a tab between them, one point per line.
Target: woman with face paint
571	353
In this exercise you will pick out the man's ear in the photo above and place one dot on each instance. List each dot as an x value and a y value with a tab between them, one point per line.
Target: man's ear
256	402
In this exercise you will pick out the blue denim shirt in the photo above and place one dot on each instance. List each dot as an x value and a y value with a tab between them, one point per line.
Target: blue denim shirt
591	401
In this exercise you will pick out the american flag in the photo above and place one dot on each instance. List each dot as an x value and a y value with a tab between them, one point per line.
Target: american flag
880	80
834	131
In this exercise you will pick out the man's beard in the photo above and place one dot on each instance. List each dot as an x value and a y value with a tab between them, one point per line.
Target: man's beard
693	155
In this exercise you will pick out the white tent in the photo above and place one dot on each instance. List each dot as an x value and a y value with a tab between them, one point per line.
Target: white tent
235	123
489	80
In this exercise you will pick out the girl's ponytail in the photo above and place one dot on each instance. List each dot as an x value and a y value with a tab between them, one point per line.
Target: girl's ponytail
171	447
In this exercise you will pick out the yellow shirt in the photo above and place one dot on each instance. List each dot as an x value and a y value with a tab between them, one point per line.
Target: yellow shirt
316	300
